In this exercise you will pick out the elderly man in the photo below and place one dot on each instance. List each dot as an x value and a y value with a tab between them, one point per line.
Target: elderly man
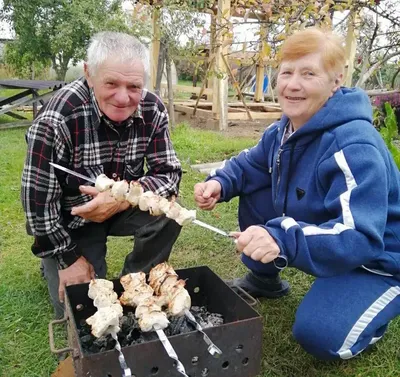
105	123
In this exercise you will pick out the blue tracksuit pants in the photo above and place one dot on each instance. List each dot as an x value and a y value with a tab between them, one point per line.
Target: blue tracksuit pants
341	316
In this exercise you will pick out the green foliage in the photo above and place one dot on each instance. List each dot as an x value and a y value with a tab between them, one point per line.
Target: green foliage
390	133
23	63
57	31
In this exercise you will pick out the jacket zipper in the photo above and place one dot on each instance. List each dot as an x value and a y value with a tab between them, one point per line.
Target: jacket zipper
278	163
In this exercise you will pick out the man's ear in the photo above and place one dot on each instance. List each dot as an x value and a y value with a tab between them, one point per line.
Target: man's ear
87	74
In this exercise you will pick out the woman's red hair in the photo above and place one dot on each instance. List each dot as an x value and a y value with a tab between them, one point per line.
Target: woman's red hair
314	40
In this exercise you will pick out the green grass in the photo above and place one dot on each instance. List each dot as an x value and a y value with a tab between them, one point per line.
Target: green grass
24	305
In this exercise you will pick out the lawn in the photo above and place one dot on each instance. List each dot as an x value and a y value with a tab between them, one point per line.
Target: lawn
24	305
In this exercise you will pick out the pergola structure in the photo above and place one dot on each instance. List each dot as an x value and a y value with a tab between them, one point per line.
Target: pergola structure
217	111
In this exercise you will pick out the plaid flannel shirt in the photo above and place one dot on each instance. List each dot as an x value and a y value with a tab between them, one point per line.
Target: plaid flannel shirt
71	131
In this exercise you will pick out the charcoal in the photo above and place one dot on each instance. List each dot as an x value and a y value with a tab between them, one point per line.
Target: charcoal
130	331
179	325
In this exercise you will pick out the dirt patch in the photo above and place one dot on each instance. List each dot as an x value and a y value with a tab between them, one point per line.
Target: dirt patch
245	129
64	369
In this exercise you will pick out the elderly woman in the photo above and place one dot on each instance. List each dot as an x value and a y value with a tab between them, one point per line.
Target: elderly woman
319	192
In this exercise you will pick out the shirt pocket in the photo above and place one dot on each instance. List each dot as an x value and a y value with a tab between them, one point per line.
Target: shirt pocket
72	183
134	168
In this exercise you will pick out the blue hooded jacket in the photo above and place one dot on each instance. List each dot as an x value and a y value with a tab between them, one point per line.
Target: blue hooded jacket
329	196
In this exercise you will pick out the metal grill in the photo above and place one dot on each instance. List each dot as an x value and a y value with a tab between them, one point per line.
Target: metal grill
239	338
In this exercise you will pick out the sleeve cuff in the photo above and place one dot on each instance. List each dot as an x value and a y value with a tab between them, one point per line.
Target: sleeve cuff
68	258
281	262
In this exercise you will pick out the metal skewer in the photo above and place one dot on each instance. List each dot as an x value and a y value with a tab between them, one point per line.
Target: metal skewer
212	348
171	352
126	372
93	180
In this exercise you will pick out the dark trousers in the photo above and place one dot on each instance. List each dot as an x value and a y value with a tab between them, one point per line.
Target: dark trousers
154	238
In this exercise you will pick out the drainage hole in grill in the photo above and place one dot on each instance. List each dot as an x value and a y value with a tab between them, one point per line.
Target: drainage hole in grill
239	348
154	371
195	360
225	365
245	361
196	290
204	372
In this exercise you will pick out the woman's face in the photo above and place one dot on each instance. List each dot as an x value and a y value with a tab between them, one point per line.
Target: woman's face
303	87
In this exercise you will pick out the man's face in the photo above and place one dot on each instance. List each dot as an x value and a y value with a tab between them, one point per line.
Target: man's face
303	87
117	88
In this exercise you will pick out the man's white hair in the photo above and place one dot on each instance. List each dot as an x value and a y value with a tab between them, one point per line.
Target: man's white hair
119	47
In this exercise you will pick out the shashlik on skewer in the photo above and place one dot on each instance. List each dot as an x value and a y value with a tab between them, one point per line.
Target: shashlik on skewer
170	289
148	311
166	284
109	310
106	319
147	201
148	307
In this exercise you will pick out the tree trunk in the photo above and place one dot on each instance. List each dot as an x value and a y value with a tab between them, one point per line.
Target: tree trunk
60	73
394	80
160	67
363	78
60	67
171	112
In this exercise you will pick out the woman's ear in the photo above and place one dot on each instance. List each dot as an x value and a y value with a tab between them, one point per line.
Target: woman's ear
338	82
339	79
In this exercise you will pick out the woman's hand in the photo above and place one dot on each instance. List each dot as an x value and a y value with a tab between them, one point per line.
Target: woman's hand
207	194
257	243
101	207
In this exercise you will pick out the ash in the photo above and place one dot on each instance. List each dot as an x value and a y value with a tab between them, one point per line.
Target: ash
130	332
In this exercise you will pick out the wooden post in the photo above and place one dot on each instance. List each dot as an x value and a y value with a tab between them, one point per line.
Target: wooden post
204	84
34	104
351	45
220	85
270	88
236	85
259	94
213	37
155	47
171	111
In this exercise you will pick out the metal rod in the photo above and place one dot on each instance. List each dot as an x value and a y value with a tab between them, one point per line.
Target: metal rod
69	171
212	348
171	352
126	372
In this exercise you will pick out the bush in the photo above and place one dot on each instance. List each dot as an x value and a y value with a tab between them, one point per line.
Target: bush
393	99
390	133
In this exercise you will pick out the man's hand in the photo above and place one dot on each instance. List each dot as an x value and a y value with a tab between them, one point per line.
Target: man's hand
79	272
257	243
206	194
102	207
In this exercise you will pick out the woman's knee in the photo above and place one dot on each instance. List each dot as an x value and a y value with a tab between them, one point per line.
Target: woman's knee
316	338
